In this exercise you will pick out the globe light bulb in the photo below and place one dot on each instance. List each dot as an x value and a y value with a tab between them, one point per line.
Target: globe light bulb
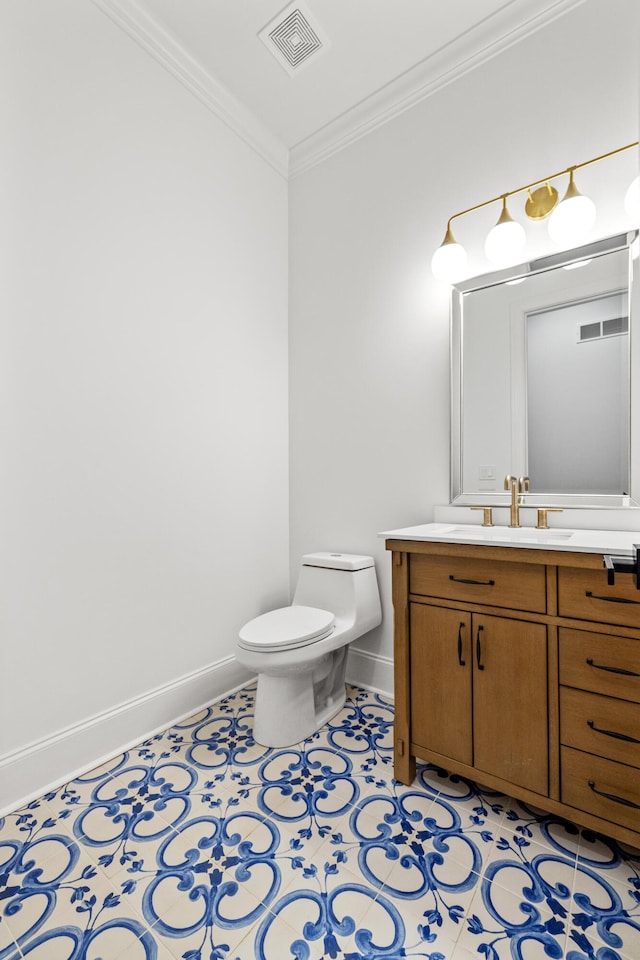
505	242
632	202
572	219
449	262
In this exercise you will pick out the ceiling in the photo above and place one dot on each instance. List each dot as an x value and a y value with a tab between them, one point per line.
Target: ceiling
377	57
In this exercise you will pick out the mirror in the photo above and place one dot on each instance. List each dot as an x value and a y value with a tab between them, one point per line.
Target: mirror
541	379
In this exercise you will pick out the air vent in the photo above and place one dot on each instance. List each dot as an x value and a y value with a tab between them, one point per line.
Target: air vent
589	331
293	39
616	327
597	330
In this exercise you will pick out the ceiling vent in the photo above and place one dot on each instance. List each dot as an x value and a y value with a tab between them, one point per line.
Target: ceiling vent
293	39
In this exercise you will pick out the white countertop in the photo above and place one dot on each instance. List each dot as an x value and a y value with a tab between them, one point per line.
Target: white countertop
616	542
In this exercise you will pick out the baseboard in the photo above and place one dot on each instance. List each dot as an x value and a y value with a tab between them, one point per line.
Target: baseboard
30	772
370	670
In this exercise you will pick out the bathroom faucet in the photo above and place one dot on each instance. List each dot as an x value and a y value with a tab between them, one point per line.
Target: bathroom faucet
512	484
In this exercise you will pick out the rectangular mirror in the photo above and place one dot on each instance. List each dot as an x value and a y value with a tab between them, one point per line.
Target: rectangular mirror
541	379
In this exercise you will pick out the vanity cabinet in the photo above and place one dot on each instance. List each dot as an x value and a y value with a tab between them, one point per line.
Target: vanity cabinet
586	595
520	668
600	724
464	669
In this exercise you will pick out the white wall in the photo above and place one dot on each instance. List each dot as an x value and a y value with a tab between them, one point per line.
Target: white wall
369	349
143	393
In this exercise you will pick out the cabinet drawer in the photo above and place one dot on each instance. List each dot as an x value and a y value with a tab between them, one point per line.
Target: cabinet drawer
519	586
601	663
585	780
600	725
585	594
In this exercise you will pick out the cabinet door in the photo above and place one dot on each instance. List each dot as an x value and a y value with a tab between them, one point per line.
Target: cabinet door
441	703
510	700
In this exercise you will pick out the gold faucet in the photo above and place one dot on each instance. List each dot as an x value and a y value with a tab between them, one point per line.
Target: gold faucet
512	484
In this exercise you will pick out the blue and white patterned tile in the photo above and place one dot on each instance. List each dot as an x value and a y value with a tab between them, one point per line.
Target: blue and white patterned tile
475	805
433	898
461	953
200	844
518	923
363	728
324	912
618	863
390	930
526	824
61	904
605	912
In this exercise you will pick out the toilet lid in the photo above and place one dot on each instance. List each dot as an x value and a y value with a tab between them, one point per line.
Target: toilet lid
286	627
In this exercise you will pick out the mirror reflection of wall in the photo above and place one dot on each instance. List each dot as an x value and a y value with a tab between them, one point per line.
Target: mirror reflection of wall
532	395
578	397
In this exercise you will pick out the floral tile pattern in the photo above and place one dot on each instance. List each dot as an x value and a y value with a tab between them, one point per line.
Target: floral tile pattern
202	845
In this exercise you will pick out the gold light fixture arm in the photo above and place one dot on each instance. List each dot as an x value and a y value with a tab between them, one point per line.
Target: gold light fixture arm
540	182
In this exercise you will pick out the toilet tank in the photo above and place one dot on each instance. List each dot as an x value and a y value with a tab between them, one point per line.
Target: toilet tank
343	583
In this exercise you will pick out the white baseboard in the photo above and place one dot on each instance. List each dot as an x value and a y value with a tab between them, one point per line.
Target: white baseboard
370	670
33	770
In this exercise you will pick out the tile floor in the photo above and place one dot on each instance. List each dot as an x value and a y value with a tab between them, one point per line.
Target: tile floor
202	845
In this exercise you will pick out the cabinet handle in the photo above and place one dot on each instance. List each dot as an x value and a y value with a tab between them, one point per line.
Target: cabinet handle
593	596
612	733
479	583
478	649
612	796
460	660
600	666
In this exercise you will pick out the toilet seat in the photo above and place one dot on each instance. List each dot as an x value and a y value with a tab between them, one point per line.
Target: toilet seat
287	628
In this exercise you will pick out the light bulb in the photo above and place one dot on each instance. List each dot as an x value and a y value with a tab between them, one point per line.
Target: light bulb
572	219
449	262
577	265
632	202
505	242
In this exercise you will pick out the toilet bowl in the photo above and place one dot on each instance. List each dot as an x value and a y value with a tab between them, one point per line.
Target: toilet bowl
300	652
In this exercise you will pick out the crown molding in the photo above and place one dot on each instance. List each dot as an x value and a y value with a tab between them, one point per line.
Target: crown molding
148	34
515	21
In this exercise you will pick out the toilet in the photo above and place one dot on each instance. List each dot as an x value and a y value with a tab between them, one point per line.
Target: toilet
300	652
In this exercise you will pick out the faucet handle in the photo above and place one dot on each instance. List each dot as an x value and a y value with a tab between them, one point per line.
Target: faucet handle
487	520
524	484
542	516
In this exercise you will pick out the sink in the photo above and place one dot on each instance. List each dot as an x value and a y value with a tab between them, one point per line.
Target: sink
508	534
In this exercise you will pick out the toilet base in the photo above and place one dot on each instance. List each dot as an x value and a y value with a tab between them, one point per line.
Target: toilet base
292	707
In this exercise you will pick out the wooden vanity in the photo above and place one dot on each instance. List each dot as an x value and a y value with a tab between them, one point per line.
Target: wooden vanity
520	668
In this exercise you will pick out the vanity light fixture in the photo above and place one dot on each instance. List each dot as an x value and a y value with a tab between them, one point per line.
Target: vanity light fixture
577	265
569	221
450	259
572	219
505	242
632	202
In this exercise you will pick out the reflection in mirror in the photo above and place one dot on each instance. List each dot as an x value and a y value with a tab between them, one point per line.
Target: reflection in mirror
540	378
577	370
